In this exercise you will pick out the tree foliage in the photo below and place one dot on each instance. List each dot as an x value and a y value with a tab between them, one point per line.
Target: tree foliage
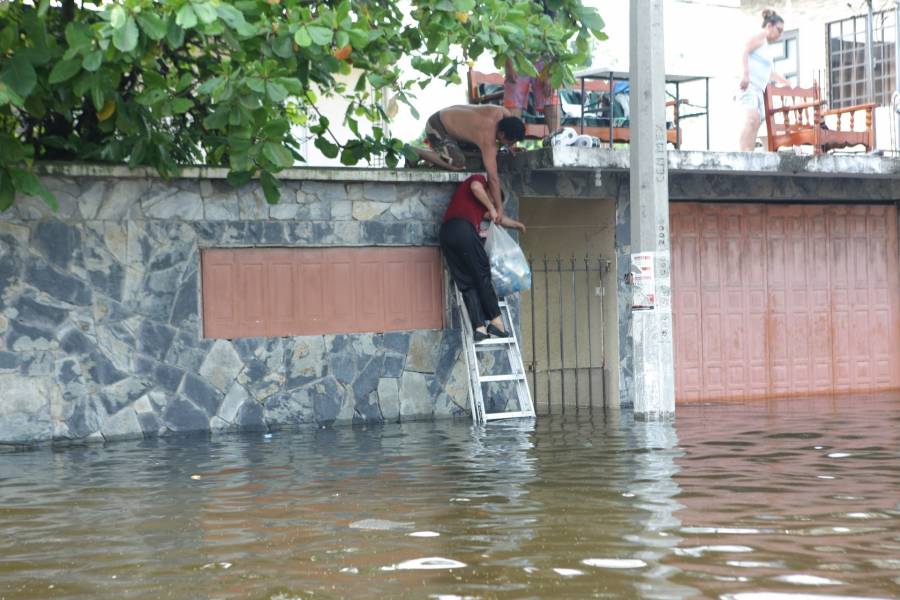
168	83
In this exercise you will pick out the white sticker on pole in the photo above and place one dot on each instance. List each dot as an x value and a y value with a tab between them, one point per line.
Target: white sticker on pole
643	281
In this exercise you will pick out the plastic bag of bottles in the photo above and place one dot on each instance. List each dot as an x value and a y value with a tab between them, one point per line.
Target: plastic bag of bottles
509	269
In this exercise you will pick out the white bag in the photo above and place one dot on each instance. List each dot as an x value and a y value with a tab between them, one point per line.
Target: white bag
509	268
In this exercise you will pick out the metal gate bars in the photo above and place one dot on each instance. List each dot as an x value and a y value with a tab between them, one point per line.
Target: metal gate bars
562	340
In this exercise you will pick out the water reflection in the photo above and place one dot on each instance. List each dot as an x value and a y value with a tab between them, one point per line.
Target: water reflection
754	501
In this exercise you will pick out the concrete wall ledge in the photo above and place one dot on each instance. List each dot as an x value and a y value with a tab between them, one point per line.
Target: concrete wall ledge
337	174
859	166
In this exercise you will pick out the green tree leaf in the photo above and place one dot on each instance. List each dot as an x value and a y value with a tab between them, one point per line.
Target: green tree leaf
152	25
126	38
320	35
283	46
326	148
27	183
7	190
271	187
186	17
303	38
64	70
181	105
239	178
92	61
117	17
19	75
205	11
278	155
276	92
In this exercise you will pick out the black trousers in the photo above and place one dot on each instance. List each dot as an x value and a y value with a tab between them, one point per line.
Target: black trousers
471	270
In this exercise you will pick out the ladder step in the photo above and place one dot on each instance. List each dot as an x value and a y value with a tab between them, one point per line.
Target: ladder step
507	415
510	377
494	341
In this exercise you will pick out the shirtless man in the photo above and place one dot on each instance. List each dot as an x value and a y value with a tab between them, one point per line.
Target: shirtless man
481	126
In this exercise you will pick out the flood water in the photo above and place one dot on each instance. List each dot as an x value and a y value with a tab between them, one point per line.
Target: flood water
793	500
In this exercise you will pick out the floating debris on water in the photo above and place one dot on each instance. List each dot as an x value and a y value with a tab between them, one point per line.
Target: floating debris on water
424	534
351	570
432	562
568	572
196	476
213	565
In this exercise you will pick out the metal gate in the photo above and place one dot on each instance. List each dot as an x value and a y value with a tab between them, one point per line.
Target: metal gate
562	324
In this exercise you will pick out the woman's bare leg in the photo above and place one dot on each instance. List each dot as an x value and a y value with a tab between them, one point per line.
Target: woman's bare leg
748	133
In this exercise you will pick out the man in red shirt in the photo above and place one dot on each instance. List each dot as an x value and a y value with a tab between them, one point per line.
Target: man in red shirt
465	255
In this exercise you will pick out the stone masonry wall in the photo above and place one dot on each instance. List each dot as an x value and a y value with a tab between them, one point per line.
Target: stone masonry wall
100	330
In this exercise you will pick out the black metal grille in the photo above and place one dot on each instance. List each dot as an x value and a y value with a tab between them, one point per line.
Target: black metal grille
847	59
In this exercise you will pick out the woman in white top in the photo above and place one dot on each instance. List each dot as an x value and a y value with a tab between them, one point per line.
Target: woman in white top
758	71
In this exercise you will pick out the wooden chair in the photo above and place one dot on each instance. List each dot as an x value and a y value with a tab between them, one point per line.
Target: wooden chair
796	116
487	88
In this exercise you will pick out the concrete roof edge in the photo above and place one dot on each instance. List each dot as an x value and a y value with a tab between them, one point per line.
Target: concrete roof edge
733	163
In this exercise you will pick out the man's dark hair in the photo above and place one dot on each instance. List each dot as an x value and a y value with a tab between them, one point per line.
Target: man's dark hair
512	128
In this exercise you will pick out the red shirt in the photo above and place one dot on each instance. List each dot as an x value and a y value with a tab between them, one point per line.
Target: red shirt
464	204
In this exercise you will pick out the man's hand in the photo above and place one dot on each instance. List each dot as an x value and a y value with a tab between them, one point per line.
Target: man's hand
745	81
498	215
492	215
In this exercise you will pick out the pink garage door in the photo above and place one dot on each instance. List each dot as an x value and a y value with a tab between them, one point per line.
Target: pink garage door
775	300
265	292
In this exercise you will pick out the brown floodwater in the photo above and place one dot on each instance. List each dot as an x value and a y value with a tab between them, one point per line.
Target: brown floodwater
780	500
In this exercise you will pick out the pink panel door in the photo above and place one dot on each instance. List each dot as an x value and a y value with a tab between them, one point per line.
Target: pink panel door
784	300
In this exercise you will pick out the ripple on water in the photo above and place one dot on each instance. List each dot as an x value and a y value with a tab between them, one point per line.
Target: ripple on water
615	563
804	579
701	550
793	596
568	572
380	525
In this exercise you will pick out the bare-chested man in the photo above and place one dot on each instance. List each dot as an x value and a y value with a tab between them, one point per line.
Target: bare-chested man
481	126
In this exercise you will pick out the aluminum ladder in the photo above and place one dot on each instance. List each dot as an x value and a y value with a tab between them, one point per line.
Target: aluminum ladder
509	345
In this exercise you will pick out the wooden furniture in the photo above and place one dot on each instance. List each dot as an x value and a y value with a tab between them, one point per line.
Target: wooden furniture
487	88
796	116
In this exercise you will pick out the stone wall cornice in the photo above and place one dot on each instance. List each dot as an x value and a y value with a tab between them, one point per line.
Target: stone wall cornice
335	174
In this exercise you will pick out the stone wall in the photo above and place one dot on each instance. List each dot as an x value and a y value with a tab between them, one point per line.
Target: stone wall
100	329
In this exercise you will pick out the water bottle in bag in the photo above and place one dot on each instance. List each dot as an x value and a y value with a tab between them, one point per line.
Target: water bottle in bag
509	268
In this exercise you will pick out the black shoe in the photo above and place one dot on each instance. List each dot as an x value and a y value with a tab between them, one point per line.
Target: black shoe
495	331
480	336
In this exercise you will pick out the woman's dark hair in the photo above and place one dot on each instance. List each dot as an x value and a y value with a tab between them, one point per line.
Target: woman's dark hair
513	128
770	16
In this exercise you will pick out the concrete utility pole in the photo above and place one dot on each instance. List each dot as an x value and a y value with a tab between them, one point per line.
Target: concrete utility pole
870	55
894	101
654	375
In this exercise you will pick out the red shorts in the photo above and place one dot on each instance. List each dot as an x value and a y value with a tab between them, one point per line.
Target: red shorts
515	94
